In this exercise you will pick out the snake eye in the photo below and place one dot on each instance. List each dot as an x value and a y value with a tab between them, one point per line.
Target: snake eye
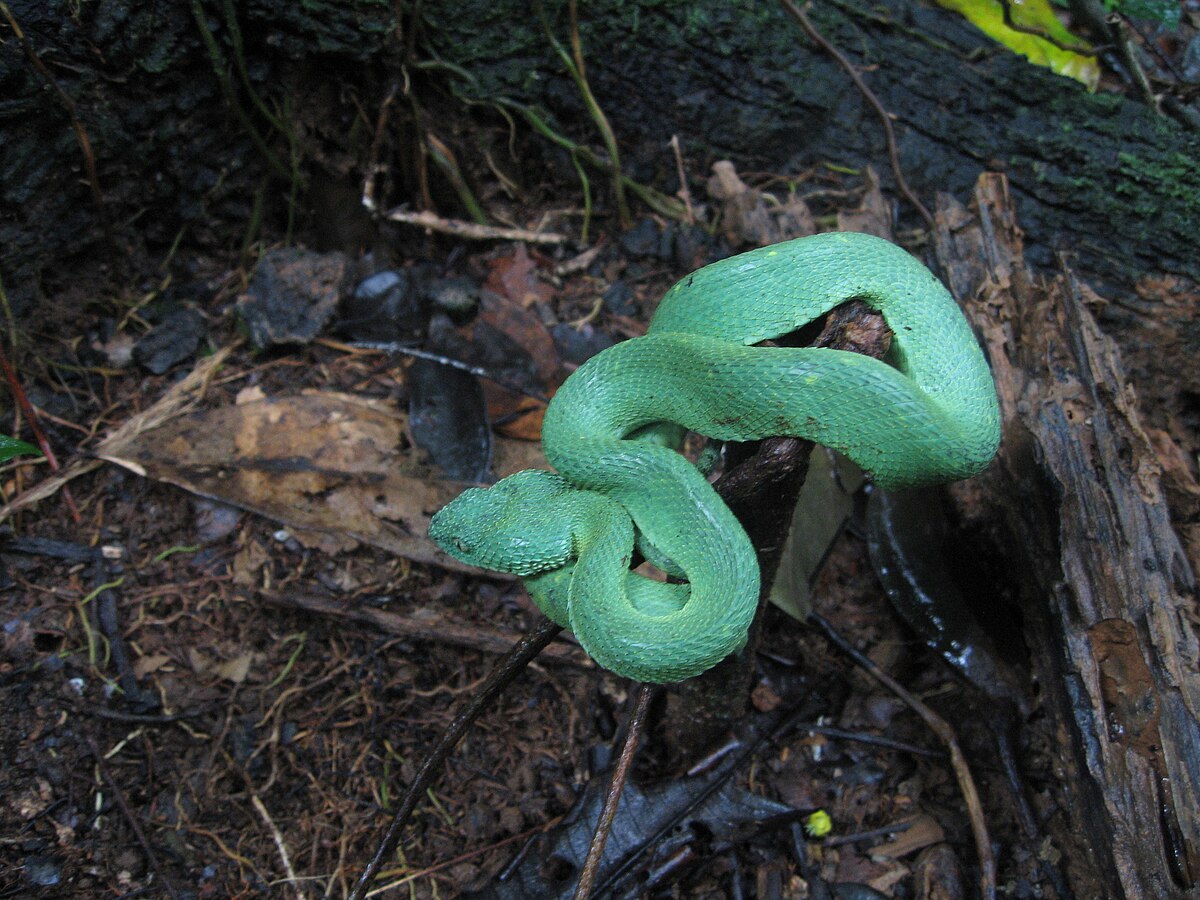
462	548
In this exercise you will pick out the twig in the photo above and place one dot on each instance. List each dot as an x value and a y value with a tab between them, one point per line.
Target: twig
479	851
261	809
591	865
403	349
81	135
684	193
471	230
876	740
893	151
940	727
885	831
506	670
119	796
18	392
441	631
373	167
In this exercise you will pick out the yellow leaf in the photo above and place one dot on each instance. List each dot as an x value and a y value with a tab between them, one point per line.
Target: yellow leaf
1037	15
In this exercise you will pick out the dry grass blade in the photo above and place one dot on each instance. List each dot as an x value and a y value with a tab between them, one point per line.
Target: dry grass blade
178	399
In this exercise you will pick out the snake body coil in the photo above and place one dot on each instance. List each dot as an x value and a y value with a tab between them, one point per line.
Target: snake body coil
929	416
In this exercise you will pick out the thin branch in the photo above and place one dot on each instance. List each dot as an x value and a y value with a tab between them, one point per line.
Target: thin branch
280	844
501	677
415	353
884	116
134	824
81	135
940	727
591	865
471	230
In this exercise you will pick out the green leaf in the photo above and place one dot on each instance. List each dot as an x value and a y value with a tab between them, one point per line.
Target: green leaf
10	447
1164	11
1036	15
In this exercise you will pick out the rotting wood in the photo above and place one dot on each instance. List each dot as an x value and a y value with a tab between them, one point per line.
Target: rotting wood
1079	517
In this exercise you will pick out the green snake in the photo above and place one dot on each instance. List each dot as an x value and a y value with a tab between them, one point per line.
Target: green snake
928	414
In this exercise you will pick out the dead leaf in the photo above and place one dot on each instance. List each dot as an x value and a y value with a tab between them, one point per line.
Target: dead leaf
184	394
335	464
515	277
525	330
748	218
874	215
924	832
247	563
145	665
825	504
236	669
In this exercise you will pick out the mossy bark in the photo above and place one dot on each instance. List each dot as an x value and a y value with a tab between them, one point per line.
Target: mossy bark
1095	174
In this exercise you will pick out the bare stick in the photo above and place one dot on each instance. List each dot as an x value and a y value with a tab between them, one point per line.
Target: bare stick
884	116
280	845
502	675
134	824
591	865
81	135
471	230
940	727
14	385
416	353
684	194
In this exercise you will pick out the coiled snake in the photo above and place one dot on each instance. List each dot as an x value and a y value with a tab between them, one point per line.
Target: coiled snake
612	428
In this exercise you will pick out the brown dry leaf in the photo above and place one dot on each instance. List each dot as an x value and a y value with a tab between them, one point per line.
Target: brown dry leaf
525	330
183	395
874	216
746	216
924	832
521	420
326	463
521	415
247	563
236	669
515	277
145	665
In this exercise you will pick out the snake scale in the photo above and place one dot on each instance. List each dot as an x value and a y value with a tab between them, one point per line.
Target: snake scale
929	414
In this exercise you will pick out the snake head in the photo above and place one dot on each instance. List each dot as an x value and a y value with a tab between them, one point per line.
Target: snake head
508	527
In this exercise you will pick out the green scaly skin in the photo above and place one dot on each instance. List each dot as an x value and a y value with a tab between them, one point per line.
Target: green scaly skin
930	416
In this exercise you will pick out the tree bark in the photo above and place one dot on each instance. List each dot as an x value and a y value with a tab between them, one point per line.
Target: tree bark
1078	512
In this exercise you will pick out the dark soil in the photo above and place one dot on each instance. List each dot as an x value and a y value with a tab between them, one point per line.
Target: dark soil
254	740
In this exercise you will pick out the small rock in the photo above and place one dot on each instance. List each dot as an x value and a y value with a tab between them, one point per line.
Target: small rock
619	300
292	295
579	345
456	296
384	307
215	520
642	239
43	871
171	341
447	416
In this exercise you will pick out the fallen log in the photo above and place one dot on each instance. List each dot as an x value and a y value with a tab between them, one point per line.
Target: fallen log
1076	508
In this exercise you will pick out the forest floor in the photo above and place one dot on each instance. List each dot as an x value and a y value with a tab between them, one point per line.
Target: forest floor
169	730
